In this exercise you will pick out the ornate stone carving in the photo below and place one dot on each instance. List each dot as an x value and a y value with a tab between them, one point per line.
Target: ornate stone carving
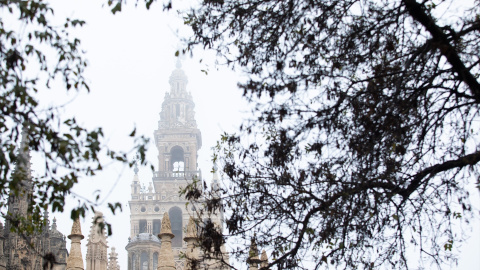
166	260
75	259
166	225
97	245
191	229
113	263
76	228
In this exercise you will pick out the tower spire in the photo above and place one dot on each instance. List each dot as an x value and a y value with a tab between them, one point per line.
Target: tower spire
97	244
264	260
113	260
166	260
21	183
46	220
75	259
253	256
178	65
191	239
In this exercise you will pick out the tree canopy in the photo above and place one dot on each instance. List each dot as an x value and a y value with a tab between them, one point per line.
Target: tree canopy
35	54
364	138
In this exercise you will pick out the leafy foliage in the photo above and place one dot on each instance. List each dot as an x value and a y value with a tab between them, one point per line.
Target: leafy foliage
33	54
365	131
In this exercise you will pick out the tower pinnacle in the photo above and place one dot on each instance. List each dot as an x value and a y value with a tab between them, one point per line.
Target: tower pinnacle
75	259
178	64
166	260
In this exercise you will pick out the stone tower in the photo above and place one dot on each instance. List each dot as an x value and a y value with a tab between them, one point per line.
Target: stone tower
177	139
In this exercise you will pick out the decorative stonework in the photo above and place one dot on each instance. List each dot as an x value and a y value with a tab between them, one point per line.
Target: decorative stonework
166	259
18	251
97	244
76	228
113	263
166	225
178	140
75	259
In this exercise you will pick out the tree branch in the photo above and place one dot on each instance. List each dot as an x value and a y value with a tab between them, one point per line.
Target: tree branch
441	40
470	159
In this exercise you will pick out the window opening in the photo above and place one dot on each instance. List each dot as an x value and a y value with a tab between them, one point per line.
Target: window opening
144	261
175	214
155	260
178	160
143	226
157	224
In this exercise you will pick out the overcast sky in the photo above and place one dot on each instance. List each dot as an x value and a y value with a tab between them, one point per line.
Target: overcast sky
131	57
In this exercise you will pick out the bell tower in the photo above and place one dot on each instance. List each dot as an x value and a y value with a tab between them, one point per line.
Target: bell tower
177	138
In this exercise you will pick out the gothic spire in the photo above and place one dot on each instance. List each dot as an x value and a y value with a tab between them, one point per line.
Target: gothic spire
46	219
54	224
97	244
22	166
253	256
113	260
97	230
21	183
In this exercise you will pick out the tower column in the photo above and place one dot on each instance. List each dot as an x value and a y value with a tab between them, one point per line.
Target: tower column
150	260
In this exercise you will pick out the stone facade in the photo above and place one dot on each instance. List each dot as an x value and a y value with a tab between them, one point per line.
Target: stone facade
32	252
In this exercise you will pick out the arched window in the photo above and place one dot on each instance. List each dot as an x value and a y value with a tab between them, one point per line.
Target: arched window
144	261
175	214
155	260
178	159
